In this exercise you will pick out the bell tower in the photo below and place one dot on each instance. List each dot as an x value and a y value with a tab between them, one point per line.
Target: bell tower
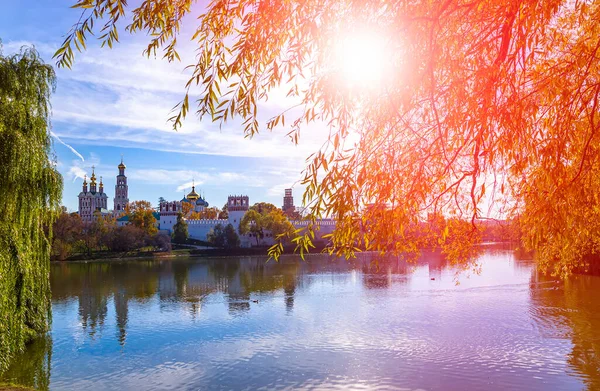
121	191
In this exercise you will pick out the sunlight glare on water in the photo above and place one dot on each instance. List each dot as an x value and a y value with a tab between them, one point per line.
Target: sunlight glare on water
241	323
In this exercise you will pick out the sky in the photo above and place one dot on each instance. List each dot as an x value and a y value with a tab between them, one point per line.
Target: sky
115	103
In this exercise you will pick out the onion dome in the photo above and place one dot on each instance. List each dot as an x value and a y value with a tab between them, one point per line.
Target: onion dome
93	178
122	165
193	196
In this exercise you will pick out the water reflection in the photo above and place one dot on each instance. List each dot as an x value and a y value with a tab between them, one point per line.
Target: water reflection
121	312
570	309
236	323
32	368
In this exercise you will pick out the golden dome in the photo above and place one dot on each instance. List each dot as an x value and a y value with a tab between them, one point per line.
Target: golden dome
122	166
193	196
93	177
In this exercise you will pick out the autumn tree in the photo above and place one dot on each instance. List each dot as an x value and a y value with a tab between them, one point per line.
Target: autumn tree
470	109
67	231
224	213
264	218
187	209
127	238
141	214
210	213
263	207
99	231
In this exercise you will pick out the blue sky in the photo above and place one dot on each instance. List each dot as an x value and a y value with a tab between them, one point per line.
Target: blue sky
117	102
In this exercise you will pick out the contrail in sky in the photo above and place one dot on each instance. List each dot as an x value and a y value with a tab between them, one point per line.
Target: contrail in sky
67	145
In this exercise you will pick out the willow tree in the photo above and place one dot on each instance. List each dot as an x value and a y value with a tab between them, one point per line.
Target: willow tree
470	103
30	190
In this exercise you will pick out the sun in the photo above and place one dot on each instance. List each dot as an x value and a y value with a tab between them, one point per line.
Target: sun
361	58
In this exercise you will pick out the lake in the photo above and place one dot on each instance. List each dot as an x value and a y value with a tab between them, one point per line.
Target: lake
324	323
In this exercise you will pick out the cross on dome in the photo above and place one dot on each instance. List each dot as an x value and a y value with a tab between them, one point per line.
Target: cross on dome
122	165
93	177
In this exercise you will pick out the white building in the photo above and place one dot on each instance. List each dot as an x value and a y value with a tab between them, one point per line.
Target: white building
237	206
199	228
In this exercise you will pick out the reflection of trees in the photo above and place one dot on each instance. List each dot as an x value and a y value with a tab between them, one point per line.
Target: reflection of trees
121	312
378	269
180	274
194	282
93	298
242	277
93	284
571	309
224	268
238	303
289	289
267	277
32	367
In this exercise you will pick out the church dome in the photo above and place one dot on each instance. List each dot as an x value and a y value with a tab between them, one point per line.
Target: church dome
122	166
193	195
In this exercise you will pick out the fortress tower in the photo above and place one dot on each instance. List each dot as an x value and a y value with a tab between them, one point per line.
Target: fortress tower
168	214
237	206
288	203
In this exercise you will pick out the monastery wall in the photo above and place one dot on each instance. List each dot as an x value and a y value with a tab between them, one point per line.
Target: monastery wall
198	229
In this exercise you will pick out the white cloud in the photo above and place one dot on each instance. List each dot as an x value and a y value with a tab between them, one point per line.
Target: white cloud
132	95
76	172
278	189
184	179
185	186
80	168
120	98
67	145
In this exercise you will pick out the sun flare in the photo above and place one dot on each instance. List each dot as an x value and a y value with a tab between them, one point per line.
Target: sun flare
361	57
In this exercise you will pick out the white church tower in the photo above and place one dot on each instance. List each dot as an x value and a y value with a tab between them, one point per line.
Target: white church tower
121	191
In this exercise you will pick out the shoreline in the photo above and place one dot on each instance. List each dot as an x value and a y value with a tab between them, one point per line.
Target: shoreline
197	253
203	253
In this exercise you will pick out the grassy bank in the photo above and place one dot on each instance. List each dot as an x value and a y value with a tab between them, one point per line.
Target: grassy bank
13	387
180	252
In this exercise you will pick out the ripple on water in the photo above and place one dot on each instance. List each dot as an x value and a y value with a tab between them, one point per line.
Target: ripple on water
240	325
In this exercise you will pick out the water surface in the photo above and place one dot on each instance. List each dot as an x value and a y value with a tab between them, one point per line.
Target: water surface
241	323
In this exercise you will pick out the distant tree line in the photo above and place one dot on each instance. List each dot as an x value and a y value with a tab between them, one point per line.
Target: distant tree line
73	237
